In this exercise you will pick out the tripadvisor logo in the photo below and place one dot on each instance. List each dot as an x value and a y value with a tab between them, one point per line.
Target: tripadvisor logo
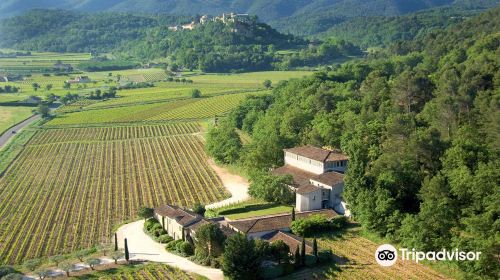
387	255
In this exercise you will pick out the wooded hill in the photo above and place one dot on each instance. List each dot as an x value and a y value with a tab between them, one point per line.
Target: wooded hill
214	46
420	125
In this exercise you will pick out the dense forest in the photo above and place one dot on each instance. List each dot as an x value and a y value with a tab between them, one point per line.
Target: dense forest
419	122
211	47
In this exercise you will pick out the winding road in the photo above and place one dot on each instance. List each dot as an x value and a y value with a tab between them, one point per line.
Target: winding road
9	133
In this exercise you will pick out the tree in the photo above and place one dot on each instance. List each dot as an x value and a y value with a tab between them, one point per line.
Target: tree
195	93
42	274
127	254
315	249
271	188
297	257
66	85
303	252
267	84
43	110
209	241
116	255
4	270
223	143
116	242
199	209
92	262
293	214
80	255
35	86
145	212
48	87
57	259
66	267
103	248
32	265
14	276
280	251
241	261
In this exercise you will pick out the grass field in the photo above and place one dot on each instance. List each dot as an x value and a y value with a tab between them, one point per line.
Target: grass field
143	272
12	115
70	187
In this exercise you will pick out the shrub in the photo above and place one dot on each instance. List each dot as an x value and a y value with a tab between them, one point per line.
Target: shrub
13	276
315	223
4	270
186	249
199	209
159	232
164	238
339	222
150	223
172	245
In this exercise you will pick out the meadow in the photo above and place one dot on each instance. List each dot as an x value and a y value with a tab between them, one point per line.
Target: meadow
70	187
10	116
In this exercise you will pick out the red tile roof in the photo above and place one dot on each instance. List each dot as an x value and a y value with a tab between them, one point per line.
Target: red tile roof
307	189
329	178
276	222
290	239
300	177
318	154
182	216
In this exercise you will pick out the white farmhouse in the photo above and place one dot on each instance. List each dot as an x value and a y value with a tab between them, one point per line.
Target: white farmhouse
318	177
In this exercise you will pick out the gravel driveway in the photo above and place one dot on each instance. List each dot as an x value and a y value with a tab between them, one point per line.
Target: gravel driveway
142	247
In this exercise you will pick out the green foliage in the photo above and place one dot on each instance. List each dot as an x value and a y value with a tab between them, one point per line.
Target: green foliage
32	265
106	65
145	212
418	123
271	188
4	270
43	110
92	262
209	242
280	251
223	143
241	260
199	209
195	93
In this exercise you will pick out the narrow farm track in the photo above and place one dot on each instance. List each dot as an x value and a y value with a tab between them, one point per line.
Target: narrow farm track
70	187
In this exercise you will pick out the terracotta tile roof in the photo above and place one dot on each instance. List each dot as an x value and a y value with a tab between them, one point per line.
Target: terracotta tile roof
307	189
329	178
290	239
276	222
318	154
300	177
182	216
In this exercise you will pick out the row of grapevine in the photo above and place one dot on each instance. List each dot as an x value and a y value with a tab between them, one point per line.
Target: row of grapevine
66	192
113	133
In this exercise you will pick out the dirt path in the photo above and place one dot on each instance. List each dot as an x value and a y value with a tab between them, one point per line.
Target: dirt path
236	185
142	247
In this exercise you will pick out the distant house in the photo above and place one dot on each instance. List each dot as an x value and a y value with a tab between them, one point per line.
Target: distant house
258	227
79	80
318	178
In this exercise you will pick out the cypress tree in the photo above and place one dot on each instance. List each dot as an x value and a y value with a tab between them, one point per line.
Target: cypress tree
163	222
303	253
297	257
127	255
293	214
116	242
315	249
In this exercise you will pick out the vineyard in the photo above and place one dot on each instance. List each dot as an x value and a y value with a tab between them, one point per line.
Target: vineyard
358	256
143	272
70	187
174	110
202	108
